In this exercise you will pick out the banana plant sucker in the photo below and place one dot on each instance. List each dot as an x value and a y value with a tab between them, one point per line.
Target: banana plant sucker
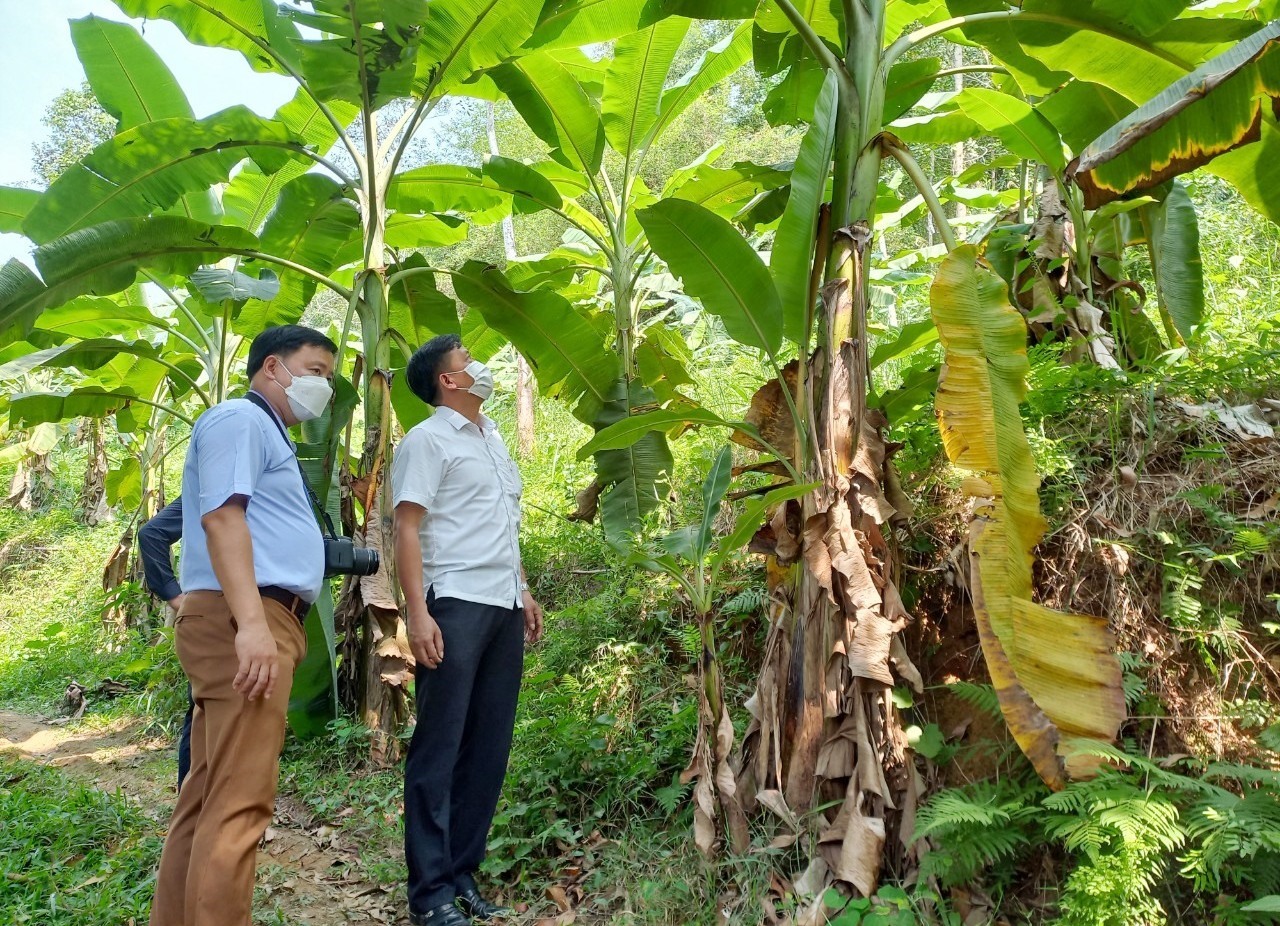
1083	243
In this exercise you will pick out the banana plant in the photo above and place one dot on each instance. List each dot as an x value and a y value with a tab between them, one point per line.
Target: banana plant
308	197
601	120
1072	70
694	557
838	730
823	721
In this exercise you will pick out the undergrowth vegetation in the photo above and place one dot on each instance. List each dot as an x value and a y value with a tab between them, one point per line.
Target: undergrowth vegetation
1182	840
73	854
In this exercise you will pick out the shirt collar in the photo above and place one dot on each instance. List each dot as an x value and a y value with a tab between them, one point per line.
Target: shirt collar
275	414
460	421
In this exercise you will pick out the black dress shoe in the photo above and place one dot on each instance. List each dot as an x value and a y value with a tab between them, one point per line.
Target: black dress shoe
444	915
476	907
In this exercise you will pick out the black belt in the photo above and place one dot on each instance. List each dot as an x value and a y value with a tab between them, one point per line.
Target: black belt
297	606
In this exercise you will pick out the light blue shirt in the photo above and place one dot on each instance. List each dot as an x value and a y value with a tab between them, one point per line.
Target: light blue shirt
237	450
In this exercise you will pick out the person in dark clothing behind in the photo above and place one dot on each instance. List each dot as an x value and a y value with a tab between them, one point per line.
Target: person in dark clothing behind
155	545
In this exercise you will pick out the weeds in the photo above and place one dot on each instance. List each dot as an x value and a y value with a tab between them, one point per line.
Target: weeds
73	855
1140	844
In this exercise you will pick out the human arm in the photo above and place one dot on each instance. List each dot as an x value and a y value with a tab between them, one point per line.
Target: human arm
417	469
155	543
231	553
425	639
532	610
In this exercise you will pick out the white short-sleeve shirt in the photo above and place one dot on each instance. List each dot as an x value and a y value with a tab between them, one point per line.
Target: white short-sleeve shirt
465	478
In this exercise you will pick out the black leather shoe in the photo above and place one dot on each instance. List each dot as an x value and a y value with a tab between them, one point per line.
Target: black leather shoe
444	915
476	907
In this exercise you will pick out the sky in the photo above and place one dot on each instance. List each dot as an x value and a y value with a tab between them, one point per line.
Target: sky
38	61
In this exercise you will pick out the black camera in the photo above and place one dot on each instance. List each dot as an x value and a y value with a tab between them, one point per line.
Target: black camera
344	558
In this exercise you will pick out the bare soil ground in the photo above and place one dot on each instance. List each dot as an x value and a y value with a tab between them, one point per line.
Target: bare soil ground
306	873
308	870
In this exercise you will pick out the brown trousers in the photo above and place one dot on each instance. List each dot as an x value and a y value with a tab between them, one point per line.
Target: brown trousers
207	866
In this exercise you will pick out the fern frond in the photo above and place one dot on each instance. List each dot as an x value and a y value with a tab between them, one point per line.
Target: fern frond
983	697
974	828
1251	542
751	600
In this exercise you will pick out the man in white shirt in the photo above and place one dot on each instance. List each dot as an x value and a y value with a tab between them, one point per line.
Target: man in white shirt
457	550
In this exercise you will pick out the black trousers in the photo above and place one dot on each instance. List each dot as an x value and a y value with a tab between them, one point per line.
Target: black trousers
184	740
458	756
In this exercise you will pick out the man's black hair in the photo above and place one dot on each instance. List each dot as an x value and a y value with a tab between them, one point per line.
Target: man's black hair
423	372
282	341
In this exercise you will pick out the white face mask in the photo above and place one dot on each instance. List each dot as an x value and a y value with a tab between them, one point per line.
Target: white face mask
482	379
308	395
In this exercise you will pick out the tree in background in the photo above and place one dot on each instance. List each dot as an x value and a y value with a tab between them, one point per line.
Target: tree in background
77	124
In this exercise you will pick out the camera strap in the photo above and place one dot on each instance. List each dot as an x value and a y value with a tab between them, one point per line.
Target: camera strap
315	502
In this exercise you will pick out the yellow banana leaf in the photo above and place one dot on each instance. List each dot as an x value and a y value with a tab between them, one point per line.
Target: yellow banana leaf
1056	674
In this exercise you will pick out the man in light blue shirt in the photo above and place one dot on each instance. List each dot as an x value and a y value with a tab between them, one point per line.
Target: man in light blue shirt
237	450
252	563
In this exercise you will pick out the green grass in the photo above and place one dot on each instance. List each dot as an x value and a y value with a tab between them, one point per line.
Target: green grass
50	614
73	855
52	629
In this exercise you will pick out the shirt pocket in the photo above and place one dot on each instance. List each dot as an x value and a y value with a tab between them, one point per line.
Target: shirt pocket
511	480
508	472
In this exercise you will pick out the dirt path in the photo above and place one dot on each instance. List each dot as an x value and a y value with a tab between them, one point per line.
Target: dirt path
307	872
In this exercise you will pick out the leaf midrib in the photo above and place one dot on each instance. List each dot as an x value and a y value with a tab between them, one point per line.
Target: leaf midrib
121	188
501	295
764	342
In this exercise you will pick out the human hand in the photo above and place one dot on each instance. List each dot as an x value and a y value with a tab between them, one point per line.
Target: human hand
177	601
532	618
259	660
425	640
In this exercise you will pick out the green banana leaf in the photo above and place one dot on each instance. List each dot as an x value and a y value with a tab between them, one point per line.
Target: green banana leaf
105	259
791	263
719	268
254	28
629	106
148	169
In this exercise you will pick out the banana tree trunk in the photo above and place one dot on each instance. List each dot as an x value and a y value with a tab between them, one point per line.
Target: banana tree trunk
824	729
371	602
525	414
717	804
32	482
93	494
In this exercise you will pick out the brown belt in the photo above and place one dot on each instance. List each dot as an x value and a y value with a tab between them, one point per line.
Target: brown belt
298	607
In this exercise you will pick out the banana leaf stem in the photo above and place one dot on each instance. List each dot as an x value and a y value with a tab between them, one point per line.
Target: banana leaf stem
899	152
